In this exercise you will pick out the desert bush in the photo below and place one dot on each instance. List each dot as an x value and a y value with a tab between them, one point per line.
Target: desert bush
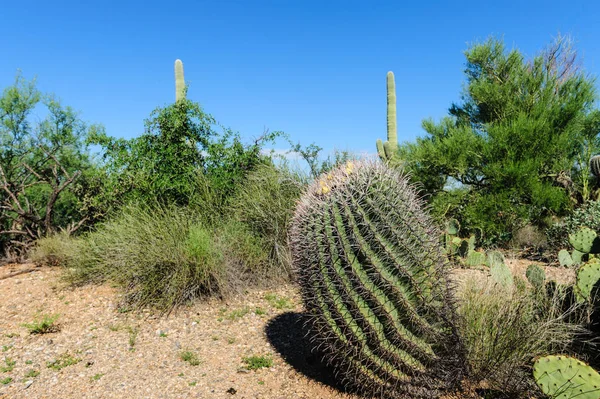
164	256
54	250
587	215
265	204
504	328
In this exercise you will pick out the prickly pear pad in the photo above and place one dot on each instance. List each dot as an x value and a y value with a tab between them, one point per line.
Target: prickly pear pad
565	377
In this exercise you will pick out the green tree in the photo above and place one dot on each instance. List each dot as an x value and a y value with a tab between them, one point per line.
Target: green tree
507	153
39	162
181	155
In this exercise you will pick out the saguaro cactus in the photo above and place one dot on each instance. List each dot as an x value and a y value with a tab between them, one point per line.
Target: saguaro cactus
374	280
387	150
179	81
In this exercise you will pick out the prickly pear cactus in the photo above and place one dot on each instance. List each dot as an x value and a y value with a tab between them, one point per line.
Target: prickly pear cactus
578	257
475	259
387	150
536	276
585	240
564	377
564	258
587	277
179	81
374	280
452	227
500	273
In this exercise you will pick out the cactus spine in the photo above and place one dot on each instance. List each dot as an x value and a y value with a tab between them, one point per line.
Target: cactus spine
387	151
374	280
563	377
179	81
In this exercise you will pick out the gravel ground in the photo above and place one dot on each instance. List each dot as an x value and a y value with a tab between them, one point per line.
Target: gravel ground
122	354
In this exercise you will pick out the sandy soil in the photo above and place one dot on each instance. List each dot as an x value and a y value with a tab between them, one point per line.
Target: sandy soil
122	354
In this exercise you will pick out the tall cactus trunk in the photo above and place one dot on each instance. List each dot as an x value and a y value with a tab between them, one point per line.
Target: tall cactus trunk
179	81
387	151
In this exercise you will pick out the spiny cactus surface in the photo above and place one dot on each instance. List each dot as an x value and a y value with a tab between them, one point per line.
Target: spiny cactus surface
374	280
536	276
585	240
595	165
565	377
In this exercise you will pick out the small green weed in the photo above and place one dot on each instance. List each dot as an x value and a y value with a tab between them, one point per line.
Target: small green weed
5	348
6	381
32	373
215	338
28	361
257	362
230	341
259	311
193	383
9	365
180	375
162	334
133	332
238	313
44	325
279	302
11	335
190	357
64	360
96	377
261	382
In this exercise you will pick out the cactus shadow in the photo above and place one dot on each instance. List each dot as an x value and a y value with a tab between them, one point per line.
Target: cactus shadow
288	335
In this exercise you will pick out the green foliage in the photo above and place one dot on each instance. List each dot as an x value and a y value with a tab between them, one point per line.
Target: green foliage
587	215
265	204
374	279
40	160
509	150
64	360
190	357
257	362
44	325
180	159
505	327
564	377
165	256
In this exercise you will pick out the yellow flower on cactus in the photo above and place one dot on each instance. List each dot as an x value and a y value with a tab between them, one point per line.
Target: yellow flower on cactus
324	188
349	167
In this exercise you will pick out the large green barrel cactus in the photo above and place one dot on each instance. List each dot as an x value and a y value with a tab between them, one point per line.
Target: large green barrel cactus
374	280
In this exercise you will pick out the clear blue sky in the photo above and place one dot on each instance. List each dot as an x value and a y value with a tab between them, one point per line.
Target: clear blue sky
312	68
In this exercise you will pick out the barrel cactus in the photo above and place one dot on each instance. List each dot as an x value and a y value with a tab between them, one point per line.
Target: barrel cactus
374	280
595	165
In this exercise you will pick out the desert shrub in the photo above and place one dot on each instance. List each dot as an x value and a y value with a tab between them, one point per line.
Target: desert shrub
504	328
164	256
587	215
265	204
54	250
529	236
